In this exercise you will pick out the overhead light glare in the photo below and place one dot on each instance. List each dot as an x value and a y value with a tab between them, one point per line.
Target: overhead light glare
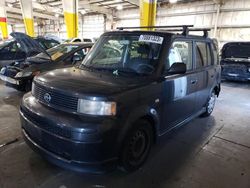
83	11
10	5
173	1
57	15
119	7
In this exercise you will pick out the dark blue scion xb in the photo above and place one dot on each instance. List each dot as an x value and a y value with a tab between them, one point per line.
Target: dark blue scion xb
132	88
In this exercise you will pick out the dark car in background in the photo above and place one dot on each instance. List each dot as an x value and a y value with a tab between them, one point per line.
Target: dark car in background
20	74
110	109
12	50
235	61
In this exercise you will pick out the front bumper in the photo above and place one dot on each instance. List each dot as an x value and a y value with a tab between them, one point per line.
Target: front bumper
69	141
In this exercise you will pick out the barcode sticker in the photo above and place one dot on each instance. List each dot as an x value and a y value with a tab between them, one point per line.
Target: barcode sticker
151	38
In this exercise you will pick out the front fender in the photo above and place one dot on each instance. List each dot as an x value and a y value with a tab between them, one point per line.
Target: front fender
136	114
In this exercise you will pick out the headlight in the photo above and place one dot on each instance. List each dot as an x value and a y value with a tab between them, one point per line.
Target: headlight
93	107
23	74
249	69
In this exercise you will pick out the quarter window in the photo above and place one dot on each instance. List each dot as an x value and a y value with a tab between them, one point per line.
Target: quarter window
180	52
203	55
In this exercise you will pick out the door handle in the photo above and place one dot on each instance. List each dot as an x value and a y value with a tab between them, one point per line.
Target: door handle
194	81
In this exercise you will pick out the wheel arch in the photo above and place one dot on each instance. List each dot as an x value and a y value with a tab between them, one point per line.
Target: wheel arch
146	113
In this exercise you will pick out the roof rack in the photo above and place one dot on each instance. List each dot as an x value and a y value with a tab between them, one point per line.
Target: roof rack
185	29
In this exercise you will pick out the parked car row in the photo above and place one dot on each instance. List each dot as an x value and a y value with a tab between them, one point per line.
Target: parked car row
20	74
17	50
107	109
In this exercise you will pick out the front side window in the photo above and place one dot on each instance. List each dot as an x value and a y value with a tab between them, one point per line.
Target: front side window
125	53
180	52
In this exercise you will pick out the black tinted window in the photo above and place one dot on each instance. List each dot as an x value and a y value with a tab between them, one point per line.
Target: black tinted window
203	55
215	54
199	60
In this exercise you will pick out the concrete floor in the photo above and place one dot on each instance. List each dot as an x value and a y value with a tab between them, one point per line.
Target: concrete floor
211	152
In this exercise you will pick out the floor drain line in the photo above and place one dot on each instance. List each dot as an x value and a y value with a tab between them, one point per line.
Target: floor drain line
8	143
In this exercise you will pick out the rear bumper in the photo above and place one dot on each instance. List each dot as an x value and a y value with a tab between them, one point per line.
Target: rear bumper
78	149
235	72
236	77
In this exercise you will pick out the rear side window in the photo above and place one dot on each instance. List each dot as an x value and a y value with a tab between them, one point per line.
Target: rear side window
203	54
180	52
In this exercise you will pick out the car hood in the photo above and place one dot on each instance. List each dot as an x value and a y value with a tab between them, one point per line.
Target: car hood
76	81
236	50
29	45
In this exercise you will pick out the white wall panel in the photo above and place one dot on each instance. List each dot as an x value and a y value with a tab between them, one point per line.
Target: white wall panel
233	21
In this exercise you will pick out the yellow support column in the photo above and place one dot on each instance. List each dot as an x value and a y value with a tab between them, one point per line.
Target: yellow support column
148	12
27	11
3	20
70	8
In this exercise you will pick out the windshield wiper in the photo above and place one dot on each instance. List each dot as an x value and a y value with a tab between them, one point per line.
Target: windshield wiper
127	72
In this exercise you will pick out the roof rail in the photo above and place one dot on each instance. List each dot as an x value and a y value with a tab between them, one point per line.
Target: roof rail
156	27
185	29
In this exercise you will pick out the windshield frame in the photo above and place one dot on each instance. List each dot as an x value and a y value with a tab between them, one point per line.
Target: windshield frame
84	64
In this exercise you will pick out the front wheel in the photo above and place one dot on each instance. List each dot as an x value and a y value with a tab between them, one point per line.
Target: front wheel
210	105
136	146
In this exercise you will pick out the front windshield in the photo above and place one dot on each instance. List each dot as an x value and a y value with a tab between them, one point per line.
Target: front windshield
131	53
58	51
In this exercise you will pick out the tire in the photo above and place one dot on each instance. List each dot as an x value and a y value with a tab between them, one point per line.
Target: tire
210	104
136	147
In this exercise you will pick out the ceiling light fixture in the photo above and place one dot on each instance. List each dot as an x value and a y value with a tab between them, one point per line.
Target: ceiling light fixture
119	7
173	1
57	15
10	5
83	11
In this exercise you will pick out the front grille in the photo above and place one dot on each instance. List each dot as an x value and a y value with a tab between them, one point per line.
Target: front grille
57	99
41	123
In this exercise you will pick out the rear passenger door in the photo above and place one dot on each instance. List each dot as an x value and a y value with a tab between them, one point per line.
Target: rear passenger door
179	91
205	70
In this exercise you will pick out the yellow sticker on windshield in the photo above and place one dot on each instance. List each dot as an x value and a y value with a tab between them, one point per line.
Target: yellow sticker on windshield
151	39
56	55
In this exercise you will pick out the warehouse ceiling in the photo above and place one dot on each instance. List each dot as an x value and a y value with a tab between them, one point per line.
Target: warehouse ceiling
51	9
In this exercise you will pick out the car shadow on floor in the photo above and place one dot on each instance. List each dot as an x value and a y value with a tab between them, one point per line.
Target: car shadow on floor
167	158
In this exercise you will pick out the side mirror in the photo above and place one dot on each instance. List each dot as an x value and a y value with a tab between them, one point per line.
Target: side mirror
177	68
76	58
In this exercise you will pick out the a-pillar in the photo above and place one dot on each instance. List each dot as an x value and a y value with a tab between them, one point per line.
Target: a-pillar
27	11
148	12
70	9
3	20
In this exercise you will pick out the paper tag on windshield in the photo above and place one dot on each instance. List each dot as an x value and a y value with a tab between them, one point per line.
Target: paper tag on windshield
151	38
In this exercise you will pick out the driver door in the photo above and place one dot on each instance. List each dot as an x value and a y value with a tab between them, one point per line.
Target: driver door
179	91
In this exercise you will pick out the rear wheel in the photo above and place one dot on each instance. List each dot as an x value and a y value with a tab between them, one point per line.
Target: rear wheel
210	105
136	146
